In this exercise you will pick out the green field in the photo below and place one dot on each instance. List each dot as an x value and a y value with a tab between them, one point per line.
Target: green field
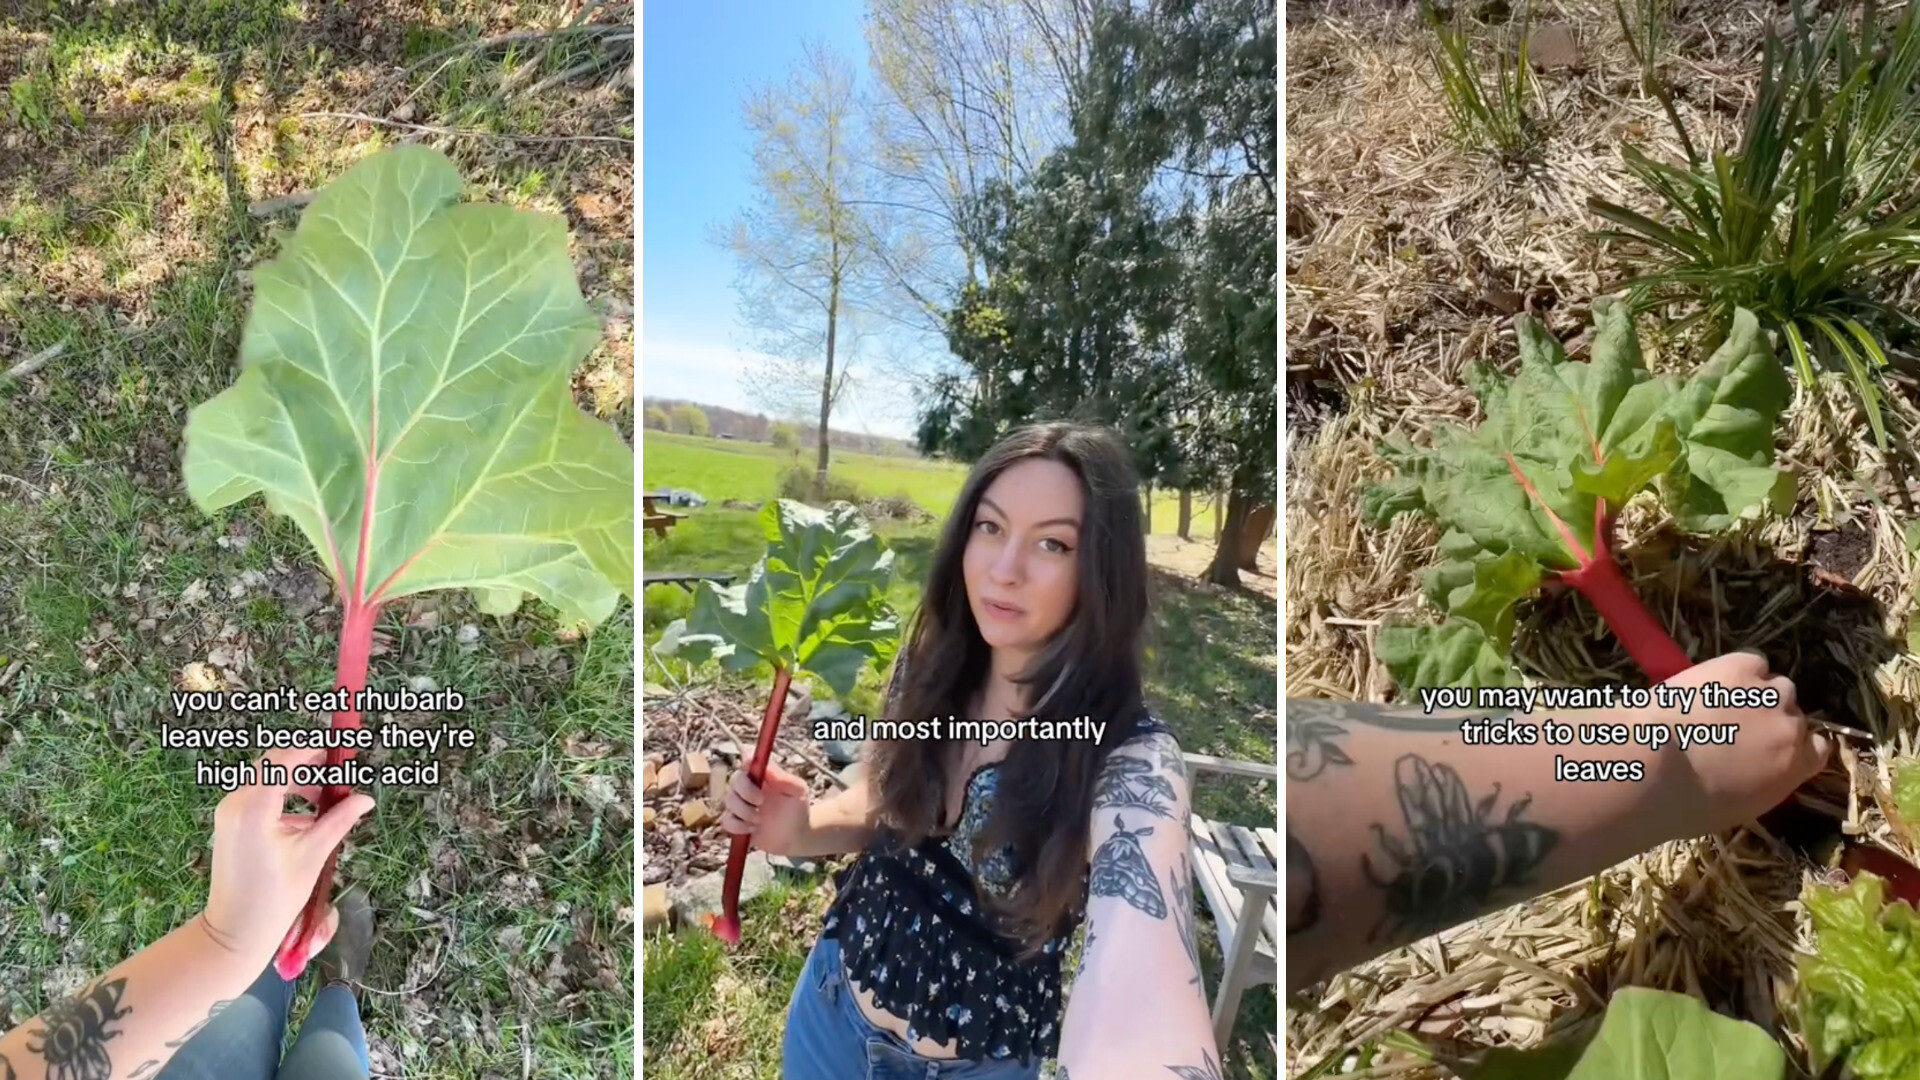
750	471
733	469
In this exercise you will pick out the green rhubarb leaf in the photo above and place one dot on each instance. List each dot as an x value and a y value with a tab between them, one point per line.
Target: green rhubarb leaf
404	397
1483	589
815	603
1650	1034
1728	410
1565	445
1455	653
1860	988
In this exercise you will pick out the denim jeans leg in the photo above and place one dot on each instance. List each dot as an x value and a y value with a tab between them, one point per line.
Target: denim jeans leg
242	1040
818	1043
332	1044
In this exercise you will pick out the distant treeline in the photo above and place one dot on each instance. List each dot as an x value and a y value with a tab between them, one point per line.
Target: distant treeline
676	414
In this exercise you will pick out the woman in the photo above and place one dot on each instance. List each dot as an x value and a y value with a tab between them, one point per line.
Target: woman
204	1002
942	952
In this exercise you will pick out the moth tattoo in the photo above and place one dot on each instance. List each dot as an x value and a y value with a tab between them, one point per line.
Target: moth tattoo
1458	856
1120	868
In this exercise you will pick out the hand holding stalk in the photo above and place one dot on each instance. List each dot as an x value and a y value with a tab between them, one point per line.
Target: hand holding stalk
816	605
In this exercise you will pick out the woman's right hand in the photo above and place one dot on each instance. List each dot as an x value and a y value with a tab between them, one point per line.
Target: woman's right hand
773	812
1774	751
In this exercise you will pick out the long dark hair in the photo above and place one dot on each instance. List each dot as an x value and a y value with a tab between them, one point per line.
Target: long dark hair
1090	667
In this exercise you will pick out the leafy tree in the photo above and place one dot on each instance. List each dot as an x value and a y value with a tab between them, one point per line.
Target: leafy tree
657	419
970	95
784	437
1131	277
691	419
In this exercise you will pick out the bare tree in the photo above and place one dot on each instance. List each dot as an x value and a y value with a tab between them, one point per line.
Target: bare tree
968	93
800	245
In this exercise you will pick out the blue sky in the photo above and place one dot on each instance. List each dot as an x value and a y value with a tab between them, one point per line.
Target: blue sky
699	59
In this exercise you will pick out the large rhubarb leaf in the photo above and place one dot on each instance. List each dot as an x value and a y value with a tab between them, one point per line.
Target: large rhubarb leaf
1649	1034
404	397
817	601
1860	988
1563	434
1532	491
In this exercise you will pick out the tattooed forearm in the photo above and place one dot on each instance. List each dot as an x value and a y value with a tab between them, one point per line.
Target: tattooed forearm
1455	857
1303	888
1167	752
1208	1071
74	1035
1120	868
218	1006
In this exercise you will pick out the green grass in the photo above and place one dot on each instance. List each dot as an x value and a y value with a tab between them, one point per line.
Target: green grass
735	469
1810	221
504	897
1493	112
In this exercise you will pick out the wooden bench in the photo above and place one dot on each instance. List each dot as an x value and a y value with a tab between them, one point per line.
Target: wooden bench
660	523
1235	868
689	582
658	520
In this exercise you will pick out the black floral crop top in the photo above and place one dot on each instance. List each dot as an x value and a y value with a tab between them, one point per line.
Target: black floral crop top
914	933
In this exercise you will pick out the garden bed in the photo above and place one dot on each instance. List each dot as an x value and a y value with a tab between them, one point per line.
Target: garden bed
1409	257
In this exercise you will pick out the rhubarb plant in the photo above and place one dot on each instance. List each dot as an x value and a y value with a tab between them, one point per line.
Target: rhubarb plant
1530	494
404	396
815	604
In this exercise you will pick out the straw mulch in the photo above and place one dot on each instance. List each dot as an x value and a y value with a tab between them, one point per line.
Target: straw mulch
1406	257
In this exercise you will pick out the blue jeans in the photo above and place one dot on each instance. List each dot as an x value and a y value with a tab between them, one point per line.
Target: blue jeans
829	1038
242	1042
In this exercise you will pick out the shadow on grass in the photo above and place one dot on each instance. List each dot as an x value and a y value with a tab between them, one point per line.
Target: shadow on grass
1211	677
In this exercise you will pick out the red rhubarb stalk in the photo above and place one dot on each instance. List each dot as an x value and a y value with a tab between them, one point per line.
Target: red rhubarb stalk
1601	582
727	925
356	648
